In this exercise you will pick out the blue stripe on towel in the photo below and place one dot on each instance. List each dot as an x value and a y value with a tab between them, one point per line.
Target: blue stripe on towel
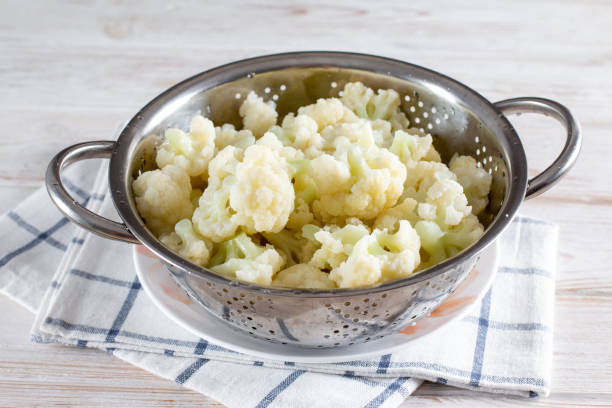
525	271
101	278
124	311
272	395
387	393
481	339
42	237
383	364
200	348
191	370
494	324
35	231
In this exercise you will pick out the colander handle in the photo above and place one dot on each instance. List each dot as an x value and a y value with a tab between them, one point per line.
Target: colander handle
568	155
69	206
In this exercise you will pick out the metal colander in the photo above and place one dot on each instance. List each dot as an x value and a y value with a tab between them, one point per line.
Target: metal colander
460	121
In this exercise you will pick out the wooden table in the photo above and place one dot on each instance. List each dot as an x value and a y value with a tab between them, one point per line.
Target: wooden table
73	71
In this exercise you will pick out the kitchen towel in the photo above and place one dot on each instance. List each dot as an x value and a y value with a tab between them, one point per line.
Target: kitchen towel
85	293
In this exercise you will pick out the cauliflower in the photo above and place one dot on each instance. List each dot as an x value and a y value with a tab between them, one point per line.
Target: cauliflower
227	135
242	259
410	147
335	244
263	195
192	151
382	105
163	197
303	276
360	258
325	112
257	116
475	180
445	203
187	243
300	132
295	248
389	219
343	193
361	184
214	219
439	243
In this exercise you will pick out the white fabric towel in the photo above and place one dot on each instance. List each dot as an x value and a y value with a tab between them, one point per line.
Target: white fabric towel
85	292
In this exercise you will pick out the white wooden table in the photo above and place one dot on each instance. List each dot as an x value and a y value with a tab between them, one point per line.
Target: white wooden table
72	71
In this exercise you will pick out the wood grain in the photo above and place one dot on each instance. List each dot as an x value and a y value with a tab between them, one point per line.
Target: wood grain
74	71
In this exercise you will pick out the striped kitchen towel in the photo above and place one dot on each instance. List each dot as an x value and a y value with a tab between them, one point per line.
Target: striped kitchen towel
86	294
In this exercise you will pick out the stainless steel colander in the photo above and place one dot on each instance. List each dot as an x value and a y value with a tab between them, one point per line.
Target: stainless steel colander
460	120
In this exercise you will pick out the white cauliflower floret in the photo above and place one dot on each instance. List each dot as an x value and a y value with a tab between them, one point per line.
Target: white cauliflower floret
325	112
410	147
389	219
329	175
379	257
475	180
376	182
192	151
358	133
303	276
223	165
382	105
242	259
227	135
360	270
187	243
445	203
263	195
163	198
214	219
300	216
441	243
300	132
335	244
257	116
421	175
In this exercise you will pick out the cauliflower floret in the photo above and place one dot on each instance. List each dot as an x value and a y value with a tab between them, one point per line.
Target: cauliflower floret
192	151
359	133
303	276
300	216
257	116
375	183
223	165
227	135
329	175
441	243
301	132
475	180
389	219
445	203
410	147
421	175
163	197
335	243
360	270
214	219
382	105
243	259
325	112
379	257
187	243
295	248
263	195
